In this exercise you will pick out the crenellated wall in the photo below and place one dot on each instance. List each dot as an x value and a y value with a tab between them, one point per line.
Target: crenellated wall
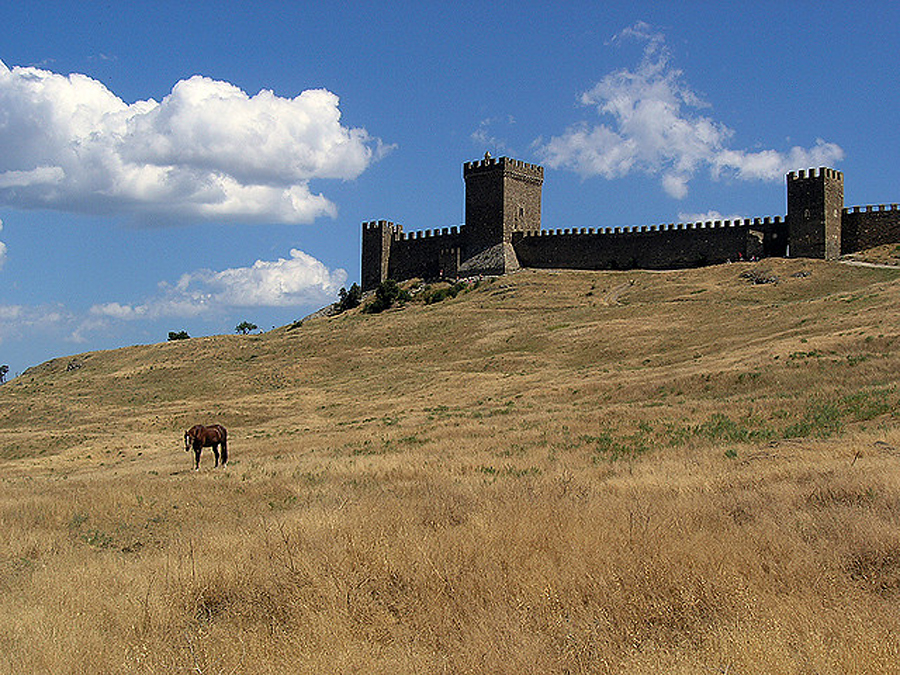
429	254
869	226
653	246
503	231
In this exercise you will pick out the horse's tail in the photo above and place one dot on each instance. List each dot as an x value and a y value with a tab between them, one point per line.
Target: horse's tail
223	436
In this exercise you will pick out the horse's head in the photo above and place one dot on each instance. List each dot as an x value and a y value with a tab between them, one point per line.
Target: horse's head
188	441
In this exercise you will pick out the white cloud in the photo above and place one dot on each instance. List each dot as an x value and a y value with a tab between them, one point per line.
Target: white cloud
771	165
706	216
115	310
296	281
84	330
208	150
485	137
2	249
18	320
10	312
655	128
299	280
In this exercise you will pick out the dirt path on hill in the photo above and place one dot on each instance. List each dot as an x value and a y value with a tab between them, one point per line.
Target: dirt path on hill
861	263
612	297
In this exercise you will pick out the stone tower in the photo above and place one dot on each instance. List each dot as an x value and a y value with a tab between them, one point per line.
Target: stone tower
815	200
376	252
502	196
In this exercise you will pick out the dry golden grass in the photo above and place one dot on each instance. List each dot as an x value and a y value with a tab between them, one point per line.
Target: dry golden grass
570	472
887	254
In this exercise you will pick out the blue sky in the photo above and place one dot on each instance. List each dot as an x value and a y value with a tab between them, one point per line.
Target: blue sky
188	166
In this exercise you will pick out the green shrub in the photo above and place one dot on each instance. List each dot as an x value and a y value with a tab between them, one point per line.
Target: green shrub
438	294
387	293
348	299
245	327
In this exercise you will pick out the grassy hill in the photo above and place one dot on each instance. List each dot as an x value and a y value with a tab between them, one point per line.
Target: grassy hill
681	472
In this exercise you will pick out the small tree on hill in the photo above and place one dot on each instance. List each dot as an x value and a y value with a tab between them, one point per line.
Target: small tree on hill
245	327
348	299
180	335
4	369
386	294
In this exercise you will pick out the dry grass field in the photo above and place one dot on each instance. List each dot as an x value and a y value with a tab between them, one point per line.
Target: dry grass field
554	472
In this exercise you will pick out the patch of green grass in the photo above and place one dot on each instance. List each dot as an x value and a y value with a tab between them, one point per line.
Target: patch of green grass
441	412
510	471
412	439
821	420
97	539
505	409
77	520
814	354
606	447
856	359
310	478
866	405
825	418
721	428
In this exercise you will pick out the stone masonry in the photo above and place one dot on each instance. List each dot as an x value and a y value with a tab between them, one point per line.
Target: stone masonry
502	232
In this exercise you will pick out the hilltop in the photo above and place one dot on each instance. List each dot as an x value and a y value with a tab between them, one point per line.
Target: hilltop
551	472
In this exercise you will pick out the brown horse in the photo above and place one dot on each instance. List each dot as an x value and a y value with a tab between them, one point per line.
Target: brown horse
199	437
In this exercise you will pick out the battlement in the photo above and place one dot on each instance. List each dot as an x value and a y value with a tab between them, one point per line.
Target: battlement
428	234
502	163
821	172
766	222
379	224
871	208
502	231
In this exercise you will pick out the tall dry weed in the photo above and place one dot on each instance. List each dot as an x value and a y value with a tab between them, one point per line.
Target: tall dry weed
522	479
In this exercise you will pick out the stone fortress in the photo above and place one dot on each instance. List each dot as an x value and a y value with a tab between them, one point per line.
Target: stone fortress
502	232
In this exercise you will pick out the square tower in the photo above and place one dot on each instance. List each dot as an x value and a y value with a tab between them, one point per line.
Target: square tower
377	237
503	196
815	201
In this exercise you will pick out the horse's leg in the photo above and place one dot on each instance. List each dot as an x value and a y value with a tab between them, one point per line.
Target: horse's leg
215	449
197	458
224	453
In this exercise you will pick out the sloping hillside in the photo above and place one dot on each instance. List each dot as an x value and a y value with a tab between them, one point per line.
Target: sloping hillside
687	471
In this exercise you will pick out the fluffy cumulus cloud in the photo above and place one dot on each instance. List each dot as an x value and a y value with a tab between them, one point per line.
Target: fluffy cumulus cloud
295	281
208	150
655	126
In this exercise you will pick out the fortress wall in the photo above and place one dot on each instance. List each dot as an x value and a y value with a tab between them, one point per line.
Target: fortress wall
864	227
503	206
649	247
427	254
